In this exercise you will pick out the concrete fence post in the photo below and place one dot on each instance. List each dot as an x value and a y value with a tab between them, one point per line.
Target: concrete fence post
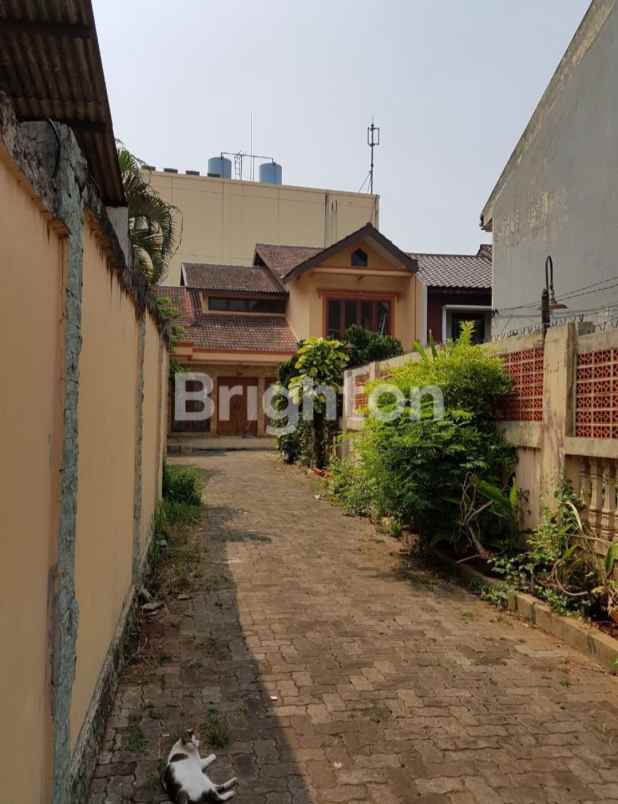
559	378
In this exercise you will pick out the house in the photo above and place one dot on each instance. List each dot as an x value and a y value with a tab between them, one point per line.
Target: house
241	322
223	218
457	289
558	193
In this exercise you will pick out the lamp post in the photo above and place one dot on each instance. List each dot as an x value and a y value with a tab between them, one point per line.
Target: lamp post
548	296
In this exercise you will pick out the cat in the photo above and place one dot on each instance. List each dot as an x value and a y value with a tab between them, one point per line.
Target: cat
185	780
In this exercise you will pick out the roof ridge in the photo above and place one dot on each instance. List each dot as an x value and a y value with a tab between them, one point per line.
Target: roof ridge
219	265
445	254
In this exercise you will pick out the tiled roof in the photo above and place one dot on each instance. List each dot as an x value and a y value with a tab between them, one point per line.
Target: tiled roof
290	261
223	332
454	270
253	279
281	259
180	298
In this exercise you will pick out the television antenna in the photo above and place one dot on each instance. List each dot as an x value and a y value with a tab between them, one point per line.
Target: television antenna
373	140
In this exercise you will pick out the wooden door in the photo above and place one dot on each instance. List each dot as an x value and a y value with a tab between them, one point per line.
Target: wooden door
241	392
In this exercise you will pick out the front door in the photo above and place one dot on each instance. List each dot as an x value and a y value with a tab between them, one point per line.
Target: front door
237	406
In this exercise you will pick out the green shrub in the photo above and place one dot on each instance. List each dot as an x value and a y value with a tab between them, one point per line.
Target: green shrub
558	565
417	470
348	485
182	484
447	478
317	362
471	378
367	347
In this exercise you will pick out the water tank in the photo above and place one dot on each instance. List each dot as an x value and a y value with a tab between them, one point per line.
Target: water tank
271	173
219	167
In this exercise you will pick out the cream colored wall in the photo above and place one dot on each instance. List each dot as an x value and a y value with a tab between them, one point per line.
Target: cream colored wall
31	297
222	219
306	304
107	427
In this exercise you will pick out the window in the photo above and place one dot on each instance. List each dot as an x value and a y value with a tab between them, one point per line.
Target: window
359	258
457	319
374	315
234	305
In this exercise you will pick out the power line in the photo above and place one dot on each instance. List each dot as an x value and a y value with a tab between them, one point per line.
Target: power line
585	290
360	189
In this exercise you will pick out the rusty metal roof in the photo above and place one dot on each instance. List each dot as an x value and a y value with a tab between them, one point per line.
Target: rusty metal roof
50	65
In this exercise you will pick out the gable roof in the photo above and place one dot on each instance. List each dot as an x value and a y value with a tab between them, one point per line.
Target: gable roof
456	270
51	69
231	278
290	262
281	259
224	332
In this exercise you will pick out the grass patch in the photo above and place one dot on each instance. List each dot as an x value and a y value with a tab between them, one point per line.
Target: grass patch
214	730
134	739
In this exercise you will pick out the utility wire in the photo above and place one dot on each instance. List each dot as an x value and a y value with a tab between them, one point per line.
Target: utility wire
360	189
585	290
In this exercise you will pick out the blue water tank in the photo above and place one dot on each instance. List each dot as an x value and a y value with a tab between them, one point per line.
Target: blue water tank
271	173
220	167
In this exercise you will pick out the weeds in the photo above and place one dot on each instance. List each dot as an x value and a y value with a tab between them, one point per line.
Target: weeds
134	739
214	730
497	594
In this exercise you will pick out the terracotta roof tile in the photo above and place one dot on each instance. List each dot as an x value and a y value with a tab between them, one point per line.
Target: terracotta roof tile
237	333
225	332
243	278
454	270
281	259
180	298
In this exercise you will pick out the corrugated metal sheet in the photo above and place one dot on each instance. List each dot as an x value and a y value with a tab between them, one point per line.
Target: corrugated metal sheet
50	65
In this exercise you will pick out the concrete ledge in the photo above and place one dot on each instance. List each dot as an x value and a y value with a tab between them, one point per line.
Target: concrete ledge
522	434
583	638
199	445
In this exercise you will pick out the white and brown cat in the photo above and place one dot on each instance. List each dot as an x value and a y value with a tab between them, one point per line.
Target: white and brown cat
185	780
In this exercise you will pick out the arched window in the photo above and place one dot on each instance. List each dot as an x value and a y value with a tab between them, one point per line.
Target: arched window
359	258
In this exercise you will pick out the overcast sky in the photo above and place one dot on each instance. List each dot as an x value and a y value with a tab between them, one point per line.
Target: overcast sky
452	85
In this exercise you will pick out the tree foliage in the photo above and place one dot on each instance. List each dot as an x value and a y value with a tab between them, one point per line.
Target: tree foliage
448	477
367	347
154	225
318	364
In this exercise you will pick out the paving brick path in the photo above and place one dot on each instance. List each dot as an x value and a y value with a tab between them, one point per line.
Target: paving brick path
344	675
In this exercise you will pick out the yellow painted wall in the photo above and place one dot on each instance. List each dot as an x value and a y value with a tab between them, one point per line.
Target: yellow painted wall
31	298
223	220
107	423
306	304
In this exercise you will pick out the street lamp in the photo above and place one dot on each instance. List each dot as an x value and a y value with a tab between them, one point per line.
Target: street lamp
548	297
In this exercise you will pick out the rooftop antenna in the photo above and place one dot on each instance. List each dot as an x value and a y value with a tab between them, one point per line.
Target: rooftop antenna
253	157
373	139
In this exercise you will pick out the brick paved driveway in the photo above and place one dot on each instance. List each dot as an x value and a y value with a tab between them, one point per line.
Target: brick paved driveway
344	675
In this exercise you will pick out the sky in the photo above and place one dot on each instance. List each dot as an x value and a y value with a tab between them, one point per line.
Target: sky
451	84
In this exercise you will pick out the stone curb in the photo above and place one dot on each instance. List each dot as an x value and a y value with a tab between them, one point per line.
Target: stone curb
585	639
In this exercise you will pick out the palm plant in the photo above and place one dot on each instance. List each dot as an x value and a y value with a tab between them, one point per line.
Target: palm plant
154	225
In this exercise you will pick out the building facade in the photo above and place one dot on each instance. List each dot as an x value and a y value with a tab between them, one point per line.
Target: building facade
457	288
241	322
558	194
223	219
